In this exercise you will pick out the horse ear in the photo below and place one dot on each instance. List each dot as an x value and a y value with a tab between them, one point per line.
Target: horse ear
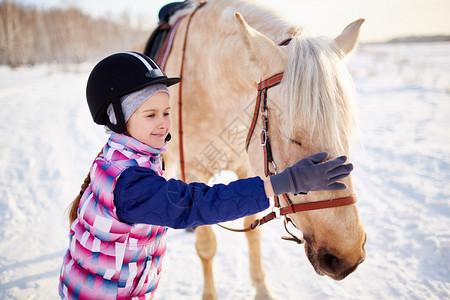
262	48
349	37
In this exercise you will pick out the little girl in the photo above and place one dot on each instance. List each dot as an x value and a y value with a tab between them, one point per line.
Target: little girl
119	221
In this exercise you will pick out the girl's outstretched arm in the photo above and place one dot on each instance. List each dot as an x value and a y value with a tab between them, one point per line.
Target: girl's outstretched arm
141	196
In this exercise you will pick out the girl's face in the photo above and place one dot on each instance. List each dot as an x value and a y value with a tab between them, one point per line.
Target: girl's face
150	123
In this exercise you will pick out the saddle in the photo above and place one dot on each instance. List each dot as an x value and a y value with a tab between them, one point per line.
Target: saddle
158	40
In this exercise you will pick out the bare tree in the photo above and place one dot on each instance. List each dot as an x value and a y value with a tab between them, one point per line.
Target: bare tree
29	36
10	30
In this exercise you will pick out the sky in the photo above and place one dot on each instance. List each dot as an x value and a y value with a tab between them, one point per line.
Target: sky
385	19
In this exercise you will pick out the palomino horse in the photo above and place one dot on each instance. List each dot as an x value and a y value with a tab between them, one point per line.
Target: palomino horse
221	58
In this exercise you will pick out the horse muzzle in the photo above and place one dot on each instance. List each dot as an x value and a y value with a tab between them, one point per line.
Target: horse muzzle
331	265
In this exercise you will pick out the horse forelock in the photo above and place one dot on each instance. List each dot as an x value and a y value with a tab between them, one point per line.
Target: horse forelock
318	95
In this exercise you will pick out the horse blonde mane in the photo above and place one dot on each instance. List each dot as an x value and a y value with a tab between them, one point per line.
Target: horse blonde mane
318	94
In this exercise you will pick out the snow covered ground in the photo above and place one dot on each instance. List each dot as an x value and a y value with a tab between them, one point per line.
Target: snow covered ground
401	177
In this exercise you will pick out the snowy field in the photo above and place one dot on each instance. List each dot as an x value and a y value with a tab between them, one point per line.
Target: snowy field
401	179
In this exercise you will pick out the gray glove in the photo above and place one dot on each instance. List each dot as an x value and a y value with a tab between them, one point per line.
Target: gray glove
309	174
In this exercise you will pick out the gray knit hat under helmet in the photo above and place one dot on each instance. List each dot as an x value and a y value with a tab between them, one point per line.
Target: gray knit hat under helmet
129	103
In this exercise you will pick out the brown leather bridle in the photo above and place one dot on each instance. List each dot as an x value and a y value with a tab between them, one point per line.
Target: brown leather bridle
262	107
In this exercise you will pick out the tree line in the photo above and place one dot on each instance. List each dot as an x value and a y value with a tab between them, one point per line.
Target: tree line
31	36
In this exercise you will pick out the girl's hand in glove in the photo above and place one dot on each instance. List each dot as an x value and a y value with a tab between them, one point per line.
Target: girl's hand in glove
310	174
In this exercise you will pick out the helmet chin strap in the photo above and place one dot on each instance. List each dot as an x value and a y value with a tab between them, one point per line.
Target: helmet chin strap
120	127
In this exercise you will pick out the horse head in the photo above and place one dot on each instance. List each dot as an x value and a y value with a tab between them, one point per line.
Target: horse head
311	111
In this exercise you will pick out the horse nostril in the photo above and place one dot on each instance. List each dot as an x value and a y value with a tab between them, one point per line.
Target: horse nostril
334	266
330	263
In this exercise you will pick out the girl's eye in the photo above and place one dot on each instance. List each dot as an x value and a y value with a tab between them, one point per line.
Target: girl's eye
166	114
151	116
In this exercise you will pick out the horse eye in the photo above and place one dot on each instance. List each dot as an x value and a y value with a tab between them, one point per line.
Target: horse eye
295	142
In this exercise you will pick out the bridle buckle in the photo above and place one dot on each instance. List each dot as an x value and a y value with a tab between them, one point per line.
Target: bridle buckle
263	137
276	211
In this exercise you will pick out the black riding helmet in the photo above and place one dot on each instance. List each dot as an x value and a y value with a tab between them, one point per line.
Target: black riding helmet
116	76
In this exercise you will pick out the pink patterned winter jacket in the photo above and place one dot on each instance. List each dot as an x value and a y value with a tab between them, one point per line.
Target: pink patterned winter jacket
109	259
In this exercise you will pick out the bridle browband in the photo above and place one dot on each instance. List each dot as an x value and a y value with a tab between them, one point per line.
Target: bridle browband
261	105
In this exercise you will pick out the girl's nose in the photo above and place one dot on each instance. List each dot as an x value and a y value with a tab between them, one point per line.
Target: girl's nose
163	123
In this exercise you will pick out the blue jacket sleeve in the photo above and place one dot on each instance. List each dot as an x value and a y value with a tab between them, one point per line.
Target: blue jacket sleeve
141	196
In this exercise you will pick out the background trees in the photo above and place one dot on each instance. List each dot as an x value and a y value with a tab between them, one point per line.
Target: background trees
30	36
